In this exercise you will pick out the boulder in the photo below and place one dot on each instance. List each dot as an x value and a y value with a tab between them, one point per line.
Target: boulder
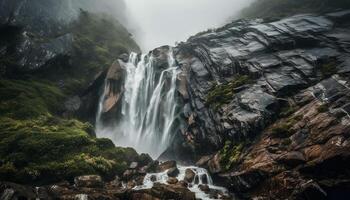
133	165
90	181
189	175
172	180
166	165
204	188
173	172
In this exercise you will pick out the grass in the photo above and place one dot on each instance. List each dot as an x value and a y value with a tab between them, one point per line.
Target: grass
283	128
230	154
222	94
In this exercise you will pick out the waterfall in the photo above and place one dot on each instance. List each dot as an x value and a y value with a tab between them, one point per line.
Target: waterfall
148	108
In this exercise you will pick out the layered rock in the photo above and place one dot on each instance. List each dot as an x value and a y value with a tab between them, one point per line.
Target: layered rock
268	102
239	77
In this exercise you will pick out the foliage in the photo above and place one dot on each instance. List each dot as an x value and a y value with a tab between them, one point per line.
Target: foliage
223	94
230	154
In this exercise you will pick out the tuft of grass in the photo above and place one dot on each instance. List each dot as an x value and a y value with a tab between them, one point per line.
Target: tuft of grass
283	129
323	108
230	154
223	94
328	69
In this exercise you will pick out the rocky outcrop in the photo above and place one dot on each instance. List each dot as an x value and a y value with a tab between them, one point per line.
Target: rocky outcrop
265	105
239	77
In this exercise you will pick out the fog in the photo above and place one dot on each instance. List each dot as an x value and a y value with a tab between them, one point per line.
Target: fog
168	21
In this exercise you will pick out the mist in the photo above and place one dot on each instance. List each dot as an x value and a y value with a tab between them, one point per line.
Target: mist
168	21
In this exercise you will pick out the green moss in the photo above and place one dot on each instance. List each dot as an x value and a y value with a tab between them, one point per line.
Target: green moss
230	154
323	108
22	99
288	110
223	94
49	149
328	69
283	128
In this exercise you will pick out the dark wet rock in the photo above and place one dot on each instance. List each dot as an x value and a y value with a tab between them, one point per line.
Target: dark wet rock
281	58
173	172
294	158
91	181
204	188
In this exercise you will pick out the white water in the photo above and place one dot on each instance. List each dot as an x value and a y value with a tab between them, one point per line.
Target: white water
199	179
148	107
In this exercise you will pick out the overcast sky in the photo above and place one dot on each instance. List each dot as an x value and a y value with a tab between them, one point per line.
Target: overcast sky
167	21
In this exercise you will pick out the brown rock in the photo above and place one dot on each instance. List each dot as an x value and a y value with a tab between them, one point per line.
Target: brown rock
91	181
166	165
189	175
292	159
214	164
172	180
204	188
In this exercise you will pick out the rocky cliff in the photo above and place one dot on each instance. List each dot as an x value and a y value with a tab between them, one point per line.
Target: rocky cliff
266	105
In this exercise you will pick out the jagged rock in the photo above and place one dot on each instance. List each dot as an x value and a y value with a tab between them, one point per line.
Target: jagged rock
189	175
91	181
15	191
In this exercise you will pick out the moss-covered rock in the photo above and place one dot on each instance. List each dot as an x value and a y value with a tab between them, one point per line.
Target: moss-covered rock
223	94
48	149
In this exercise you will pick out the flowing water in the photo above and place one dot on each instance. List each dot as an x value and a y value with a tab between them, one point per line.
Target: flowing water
201	177
148	107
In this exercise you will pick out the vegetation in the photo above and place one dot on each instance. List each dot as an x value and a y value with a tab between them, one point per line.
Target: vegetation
275	9
37	145
323	108
230	154
98	40
328	69
283	128
223	94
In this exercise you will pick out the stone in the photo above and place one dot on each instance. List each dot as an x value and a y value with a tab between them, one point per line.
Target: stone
133	165
173	172
292	158
189	175
172	180
204	188
166	165
89	181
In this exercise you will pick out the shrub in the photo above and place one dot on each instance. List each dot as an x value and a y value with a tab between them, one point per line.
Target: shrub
323	108
230	154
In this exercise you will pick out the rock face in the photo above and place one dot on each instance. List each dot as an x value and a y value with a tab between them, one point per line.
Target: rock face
269	104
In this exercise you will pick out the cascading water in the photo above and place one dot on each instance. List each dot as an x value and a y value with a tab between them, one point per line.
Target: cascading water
201	177
148	107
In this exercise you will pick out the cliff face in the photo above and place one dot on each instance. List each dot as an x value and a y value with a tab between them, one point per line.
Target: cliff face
268	102
50	53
